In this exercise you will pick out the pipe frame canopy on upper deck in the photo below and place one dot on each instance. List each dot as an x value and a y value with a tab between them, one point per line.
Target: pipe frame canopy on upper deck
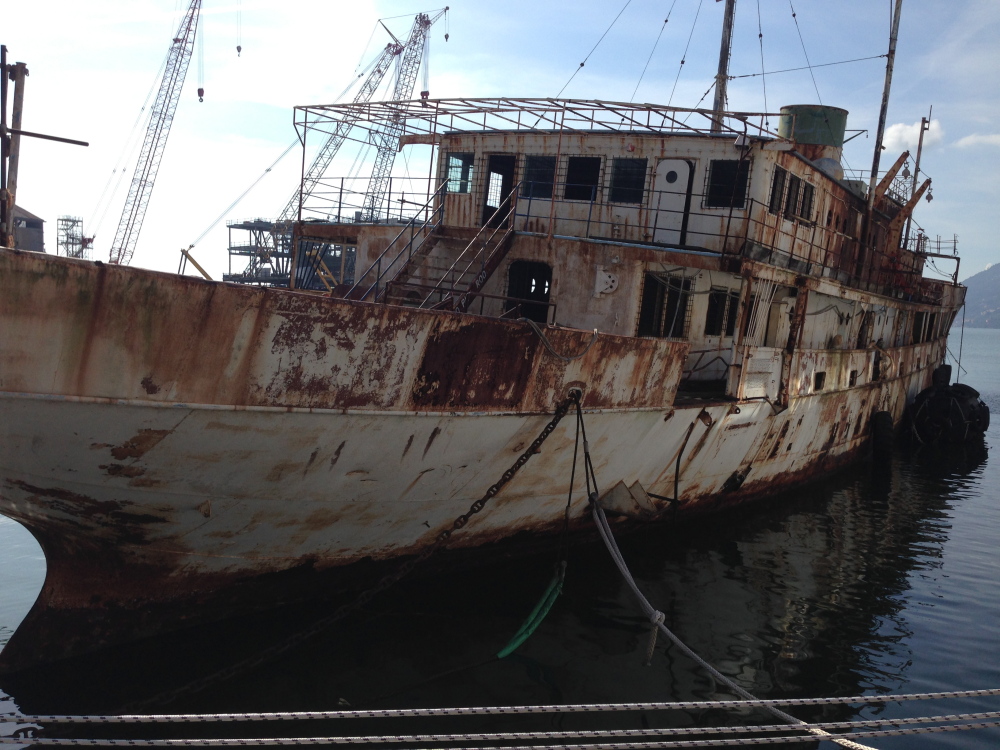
438	116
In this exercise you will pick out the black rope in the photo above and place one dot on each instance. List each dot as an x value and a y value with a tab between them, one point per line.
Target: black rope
806	67
627	3
763	78
684	56
664	26
804	52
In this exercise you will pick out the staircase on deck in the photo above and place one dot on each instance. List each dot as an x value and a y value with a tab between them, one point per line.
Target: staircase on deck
449	270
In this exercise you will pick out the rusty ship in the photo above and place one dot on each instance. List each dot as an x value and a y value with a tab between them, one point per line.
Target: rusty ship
732	313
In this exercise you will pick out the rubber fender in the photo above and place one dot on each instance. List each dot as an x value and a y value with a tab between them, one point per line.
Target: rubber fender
949	414
883	433
942	375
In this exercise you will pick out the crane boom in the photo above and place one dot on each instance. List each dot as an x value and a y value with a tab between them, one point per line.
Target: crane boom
161	117
339	135
387	140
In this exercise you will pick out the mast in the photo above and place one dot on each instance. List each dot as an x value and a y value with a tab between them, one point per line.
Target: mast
890	61
925	125
722	77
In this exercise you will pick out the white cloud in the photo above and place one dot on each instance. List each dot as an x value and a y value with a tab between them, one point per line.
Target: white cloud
903	137
990	139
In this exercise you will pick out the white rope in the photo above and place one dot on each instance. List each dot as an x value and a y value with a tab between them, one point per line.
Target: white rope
651	612
844	739
396	713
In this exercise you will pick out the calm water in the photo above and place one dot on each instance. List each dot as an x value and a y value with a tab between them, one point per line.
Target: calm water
871	582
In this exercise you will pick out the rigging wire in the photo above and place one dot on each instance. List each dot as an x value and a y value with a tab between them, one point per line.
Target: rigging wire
804	52
812	74
201	61
763	77
243	195
128	151
239	27
808	67
707	92
367	45
410	15
684	56
580	67
275	163
662	28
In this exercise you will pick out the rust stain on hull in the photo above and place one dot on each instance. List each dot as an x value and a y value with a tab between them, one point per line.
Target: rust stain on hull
190	422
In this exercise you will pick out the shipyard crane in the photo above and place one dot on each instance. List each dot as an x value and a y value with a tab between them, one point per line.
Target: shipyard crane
412	53
340	133
161	117
387	140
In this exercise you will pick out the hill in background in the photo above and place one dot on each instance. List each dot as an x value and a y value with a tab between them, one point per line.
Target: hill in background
982	301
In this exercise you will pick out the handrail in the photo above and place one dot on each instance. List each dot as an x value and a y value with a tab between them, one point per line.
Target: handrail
410	224
511	200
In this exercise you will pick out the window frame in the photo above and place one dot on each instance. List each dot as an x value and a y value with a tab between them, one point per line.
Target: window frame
467	168
777	200
538	189
630	194
655	306
712	197
726	303
578	188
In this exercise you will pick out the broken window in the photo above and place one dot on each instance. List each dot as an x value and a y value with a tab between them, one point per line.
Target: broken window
628	180
721	315
539	174
794	183
665	306
727	183
583	175
777	190
460	172
529	286
919	320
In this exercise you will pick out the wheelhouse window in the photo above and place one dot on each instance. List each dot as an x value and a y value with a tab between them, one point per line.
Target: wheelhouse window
459	172
583	175
628	180
539	174
664	309
799	200
727	183
777	190
721	315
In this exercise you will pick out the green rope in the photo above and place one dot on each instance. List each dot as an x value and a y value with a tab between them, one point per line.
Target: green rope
538	613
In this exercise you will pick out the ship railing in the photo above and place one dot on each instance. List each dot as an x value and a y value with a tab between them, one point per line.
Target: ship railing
823	246
411	238
341	200
630	214
829	249
483	250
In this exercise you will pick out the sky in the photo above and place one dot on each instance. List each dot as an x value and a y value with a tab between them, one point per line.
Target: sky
92	66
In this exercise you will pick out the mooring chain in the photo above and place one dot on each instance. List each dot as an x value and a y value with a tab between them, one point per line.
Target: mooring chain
388	580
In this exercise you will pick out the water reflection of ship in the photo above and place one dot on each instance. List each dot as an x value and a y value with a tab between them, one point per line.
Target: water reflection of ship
801	596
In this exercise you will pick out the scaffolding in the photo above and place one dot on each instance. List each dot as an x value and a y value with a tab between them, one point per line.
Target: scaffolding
70	240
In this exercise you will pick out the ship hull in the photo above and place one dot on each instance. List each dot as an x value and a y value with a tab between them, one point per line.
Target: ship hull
186	451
